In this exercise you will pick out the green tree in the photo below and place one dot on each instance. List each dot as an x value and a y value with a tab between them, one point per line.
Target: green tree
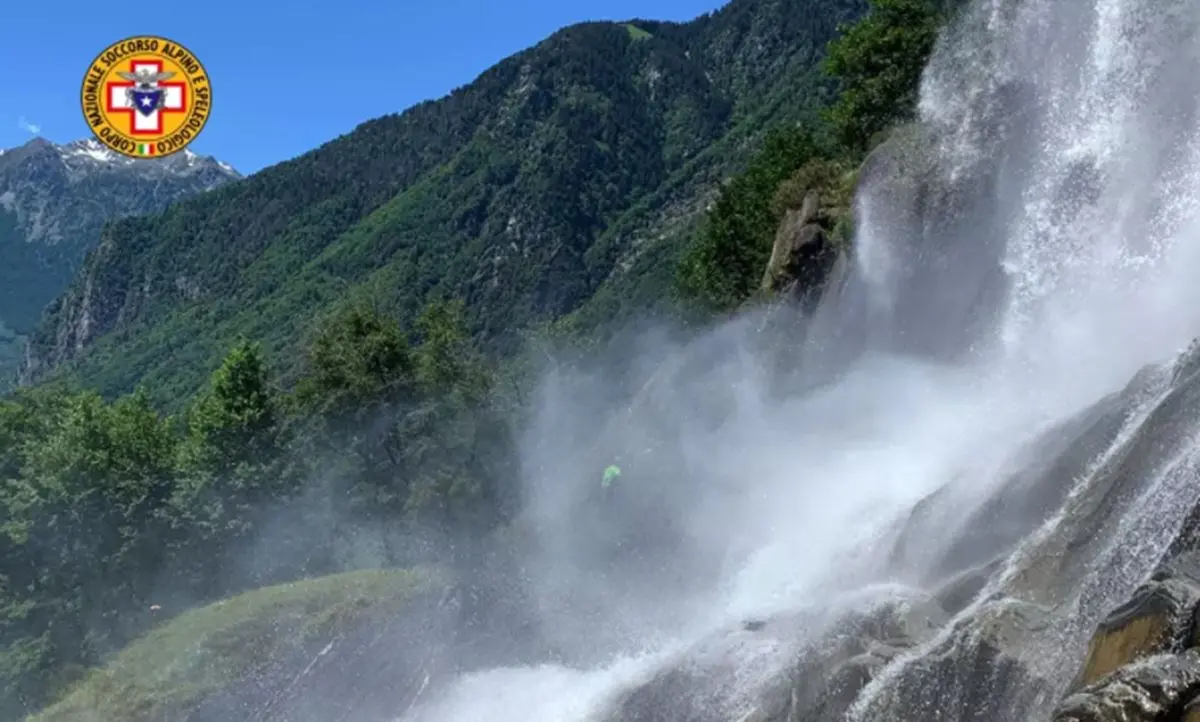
879	61
455	444
446	361
359	374
234	422
722	268
230	466
357	359
77	536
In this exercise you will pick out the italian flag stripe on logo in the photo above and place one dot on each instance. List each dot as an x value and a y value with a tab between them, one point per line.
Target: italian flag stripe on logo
145	149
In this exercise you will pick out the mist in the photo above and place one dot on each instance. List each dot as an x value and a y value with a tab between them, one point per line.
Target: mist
953	427
1053	256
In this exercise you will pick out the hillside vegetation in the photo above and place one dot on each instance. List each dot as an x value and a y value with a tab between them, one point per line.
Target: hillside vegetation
565	177
54	200
346	390
109	508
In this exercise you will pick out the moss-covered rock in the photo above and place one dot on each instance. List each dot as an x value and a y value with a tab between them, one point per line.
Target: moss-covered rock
815	204
246	657
833	180
802	253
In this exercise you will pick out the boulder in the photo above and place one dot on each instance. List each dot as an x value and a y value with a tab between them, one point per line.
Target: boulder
1154	689
803	255
1158	618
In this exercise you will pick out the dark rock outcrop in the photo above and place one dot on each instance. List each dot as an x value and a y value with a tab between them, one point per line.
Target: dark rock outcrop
803	254
1159	618
1157	689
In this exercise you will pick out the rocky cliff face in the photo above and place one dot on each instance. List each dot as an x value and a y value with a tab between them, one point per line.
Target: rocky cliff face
1035	614
54	199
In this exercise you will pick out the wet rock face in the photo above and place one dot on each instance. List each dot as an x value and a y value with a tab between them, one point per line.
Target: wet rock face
976	672
1056	629
810	680
913	208
974	545
1143	664
1156	689
1158	618
825	682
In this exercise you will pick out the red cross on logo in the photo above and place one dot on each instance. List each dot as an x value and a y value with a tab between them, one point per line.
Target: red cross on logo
119	100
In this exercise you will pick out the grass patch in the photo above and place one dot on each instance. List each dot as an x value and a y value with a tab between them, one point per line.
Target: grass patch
637	33
172	669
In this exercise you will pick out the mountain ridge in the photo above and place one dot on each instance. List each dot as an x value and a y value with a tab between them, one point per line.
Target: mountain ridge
54	200
565	173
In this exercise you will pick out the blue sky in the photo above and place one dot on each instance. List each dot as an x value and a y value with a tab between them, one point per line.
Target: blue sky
333	63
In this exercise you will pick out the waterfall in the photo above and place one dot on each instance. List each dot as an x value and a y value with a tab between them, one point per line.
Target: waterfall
1021	254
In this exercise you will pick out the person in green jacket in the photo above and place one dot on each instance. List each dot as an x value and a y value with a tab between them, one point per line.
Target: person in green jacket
611	474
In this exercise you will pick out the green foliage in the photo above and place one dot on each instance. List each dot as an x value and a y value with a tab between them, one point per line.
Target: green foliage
722	269
232	423
879	61
636	33
445	360
566	171
821	174
559	192
229	466
53	214
82	482
357	357
102	503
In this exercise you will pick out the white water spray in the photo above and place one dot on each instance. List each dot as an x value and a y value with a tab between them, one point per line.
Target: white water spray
1064	146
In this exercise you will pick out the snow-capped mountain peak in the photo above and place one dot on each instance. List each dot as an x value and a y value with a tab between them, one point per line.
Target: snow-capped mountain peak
54	201
90	148
82	158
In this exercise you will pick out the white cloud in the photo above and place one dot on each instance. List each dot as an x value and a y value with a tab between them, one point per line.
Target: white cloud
28	127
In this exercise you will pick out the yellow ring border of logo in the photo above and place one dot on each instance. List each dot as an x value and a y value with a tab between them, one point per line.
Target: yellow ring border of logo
96	59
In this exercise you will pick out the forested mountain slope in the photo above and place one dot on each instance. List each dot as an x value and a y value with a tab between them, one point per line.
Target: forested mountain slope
558	185
54	199
565	173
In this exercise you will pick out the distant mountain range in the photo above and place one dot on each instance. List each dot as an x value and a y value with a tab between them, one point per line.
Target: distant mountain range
560	184
54	200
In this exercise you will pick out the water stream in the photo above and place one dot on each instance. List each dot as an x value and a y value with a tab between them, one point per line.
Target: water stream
1052	253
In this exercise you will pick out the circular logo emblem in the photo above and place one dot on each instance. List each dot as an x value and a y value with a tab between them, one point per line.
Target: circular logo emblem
146	97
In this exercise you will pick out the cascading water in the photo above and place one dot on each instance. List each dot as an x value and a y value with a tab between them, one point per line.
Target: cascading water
1021	255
